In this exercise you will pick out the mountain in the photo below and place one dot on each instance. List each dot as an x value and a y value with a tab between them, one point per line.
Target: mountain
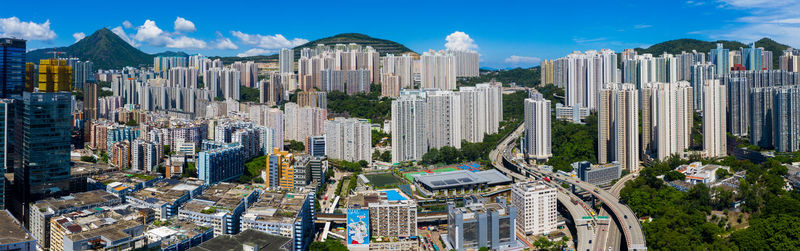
679	45
383	46
172	54
103	47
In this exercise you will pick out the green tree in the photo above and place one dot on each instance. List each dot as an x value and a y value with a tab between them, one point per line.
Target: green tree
88	159
191	171
386	156
431	157
132	122
674	175
296	146
166	149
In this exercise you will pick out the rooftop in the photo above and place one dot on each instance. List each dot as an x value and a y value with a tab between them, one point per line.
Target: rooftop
276	207
461	178
13	231
76	200
176	231
253	238
126	179
165	191
221	196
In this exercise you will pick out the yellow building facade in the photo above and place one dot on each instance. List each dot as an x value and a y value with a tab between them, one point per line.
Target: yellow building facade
280	169
54	75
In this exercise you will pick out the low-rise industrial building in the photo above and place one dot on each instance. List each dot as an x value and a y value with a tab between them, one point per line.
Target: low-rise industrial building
42	211
14	236
480	224
598	175
220	206
289	215
166	196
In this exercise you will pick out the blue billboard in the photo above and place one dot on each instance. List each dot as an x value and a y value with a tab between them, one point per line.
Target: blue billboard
357	227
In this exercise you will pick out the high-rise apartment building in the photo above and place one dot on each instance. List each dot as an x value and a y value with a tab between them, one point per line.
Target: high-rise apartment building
790	61
701	73
751	57
313	99
774	117
12	67
348	139
667	118
303	122
400	67
286	60
547	71
6	143
481	110
715	100
315	146
466	62
721	59
408	128
584	74
248	72
164	63
438	70
443	119
618	126
536	207
90	100
537	127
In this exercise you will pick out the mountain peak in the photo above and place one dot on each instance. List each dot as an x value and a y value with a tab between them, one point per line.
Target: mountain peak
104	48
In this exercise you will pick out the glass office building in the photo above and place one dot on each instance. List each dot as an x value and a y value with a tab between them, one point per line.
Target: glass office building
12	66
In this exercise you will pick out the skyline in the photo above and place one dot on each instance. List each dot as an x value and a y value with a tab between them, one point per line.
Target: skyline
506	35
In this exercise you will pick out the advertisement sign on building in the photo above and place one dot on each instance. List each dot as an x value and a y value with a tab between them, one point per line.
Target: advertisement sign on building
357	227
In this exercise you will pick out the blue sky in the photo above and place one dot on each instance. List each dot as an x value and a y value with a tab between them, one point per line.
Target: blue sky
505	33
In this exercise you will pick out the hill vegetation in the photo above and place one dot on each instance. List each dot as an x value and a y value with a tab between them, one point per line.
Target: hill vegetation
527	77
104	48
680	45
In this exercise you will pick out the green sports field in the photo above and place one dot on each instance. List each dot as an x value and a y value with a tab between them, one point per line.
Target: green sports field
409	175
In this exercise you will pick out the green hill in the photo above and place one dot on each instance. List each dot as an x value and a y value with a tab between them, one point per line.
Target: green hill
103	47
679	45
383	46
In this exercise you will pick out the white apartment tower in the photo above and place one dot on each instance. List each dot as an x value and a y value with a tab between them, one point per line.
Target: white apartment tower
438	70
618	127
408	128
536	207
537	127
286	60
667	118
714	124
348	139
443	119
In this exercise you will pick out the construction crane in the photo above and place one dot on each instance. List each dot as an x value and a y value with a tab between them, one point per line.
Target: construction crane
55	52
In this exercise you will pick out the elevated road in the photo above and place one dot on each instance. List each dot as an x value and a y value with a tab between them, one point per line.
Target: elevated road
579	213
632	230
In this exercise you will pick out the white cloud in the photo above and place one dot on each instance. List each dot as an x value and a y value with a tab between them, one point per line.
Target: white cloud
272	42
516	60
588	40
78	36
226	44
460	41
150	33
127	24
184	25
121	33
13	27
255	52
776	19
642	26
184	42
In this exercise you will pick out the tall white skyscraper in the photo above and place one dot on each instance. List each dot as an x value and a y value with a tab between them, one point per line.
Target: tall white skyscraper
348	139
714	102
482	110
585	74
408	127
667	118
618	127
536	207
286	60
438	70
466	63
443	119
537	127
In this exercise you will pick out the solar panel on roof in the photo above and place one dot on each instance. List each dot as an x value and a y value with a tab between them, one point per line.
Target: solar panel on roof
437	183
465	180
450	182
